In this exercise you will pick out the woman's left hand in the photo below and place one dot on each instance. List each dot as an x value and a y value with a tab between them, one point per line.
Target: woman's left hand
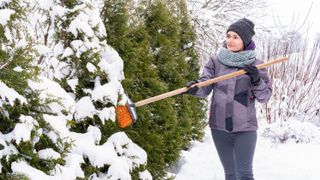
253	72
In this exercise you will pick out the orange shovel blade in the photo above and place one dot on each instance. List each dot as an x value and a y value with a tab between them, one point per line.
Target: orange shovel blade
123	116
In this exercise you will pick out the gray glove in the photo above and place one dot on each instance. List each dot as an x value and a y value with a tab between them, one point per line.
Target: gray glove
192	90
253	72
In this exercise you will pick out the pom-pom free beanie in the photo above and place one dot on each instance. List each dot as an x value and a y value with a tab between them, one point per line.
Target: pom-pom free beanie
244	28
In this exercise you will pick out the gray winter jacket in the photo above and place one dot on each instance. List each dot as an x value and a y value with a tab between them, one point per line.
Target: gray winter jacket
233	101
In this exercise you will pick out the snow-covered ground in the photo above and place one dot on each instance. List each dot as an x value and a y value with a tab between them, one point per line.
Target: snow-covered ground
271	162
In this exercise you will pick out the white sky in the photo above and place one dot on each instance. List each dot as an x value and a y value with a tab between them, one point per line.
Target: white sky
292	13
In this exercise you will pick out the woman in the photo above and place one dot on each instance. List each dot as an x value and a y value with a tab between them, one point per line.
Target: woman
232	118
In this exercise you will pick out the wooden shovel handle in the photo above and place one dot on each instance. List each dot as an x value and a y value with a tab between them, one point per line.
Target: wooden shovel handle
205	83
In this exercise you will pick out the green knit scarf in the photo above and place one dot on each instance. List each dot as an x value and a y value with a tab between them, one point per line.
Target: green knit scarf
236	59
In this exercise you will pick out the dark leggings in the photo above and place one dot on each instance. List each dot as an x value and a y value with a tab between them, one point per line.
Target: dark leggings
236	152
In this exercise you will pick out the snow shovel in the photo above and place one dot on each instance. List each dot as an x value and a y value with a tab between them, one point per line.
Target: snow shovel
126	114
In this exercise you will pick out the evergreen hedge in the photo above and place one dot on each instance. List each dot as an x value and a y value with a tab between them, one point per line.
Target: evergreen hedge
156	43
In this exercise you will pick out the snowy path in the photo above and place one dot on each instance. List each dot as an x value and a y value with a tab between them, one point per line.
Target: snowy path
282	162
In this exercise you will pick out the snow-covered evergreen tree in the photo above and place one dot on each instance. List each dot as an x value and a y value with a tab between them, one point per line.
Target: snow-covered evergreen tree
76	86
24	137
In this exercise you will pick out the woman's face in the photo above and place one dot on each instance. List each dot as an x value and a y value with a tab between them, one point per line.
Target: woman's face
234	42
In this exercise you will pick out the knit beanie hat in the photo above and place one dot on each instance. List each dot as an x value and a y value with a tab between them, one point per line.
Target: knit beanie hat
245	28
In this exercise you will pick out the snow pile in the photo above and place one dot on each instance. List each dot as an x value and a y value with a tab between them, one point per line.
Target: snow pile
5	15
291	130
9	95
